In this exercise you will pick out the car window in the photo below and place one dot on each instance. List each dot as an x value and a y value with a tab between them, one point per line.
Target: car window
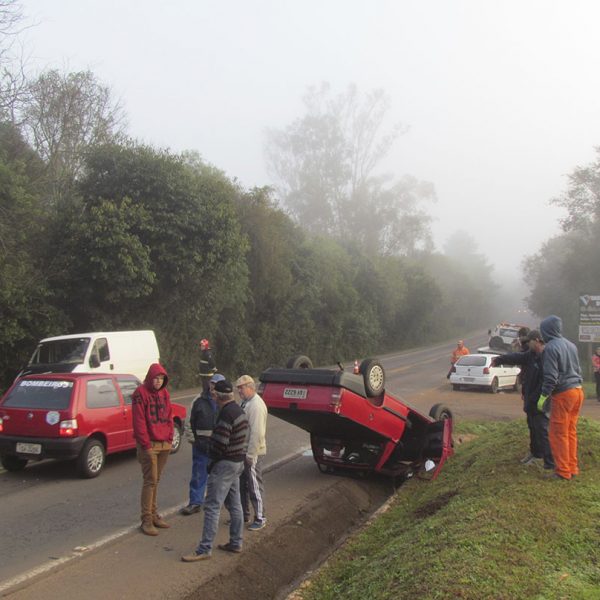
40	393
101	393
511	333
472	360
100	349
128	385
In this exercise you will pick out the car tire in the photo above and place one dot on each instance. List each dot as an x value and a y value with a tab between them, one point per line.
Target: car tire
494	388
373	376
299	362
13	463
497	343
455	387
440	412
92	459
177	436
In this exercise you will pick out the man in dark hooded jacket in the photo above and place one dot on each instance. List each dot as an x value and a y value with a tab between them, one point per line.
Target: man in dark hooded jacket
562	380
153	432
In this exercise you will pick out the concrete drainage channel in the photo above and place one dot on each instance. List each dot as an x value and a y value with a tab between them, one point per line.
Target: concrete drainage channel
282	558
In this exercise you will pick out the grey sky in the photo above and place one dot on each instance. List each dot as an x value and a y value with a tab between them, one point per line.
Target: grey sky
501	98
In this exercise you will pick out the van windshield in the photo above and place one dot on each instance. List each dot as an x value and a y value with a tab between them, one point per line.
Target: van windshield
40	393
70	351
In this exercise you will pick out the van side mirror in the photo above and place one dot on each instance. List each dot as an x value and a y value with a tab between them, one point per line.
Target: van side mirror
94	361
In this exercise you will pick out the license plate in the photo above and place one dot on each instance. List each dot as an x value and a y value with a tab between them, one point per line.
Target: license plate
468	379
295	393
29	448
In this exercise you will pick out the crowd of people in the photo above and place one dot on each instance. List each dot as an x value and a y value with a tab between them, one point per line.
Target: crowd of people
228	448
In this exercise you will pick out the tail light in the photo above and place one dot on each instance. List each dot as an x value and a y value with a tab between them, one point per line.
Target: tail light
68	428
1	425
336	400
486	370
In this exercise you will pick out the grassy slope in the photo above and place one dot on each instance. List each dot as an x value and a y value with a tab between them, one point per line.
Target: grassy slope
488	527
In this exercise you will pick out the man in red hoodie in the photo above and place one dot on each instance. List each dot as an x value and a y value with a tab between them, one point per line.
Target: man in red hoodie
153	432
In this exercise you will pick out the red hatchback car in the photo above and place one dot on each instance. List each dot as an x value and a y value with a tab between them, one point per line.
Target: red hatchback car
78	416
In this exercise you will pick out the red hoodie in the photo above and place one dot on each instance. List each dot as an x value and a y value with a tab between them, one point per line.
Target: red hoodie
152	412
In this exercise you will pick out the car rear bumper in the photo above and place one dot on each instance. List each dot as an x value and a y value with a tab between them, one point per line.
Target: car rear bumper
464	380
50	447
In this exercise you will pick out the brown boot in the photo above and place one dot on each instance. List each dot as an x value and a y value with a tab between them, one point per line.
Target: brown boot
148	528
158	521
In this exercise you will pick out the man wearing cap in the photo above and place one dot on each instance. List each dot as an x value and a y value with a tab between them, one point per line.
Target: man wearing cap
251	484
228	446
530	362
201	424
562	381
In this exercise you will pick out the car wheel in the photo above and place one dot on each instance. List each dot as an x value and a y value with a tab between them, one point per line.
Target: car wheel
494	387
299	362
373	375
92	458
13	463
440	412
455	387
176	443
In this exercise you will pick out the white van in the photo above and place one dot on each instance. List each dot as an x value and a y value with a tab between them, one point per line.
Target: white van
98	352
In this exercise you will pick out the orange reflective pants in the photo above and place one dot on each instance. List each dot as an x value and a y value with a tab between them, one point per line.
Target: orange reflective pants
563	431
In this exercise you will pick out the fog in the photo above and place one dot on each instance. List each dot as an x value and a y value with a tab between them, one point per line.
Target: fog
501	99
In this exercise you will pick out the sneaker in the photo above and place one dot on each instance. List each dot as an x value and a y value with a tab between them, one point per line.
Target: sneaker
229	547
257	525
556	476
190	509
526	460
195	557
159	522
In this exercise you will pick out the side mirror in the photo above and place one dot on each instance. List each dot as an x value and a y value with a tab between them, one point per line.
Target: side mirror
94	361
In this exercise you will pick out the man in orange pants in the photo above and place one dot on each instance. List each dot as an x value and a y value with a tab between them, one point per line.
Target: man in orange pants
562	380
460	350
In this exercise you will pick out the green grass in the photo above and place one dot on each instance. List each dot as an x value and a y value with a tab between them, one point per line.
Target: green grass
488	527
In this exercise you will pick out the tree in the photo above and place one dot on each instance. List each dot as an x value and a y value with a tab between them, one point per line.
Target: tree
67	114
325	163
13	81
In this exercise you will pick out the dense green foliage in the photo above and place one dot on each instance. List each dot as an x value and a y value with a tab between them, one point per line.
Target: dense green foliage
488	527
98	232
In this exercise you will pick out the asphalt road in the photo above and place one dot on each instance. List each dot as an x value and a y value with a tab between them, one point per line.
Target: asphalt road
47	512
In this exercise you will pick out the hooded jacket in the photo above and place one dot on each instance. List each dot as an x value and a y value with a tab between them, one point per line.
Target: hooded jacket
560	359
152	412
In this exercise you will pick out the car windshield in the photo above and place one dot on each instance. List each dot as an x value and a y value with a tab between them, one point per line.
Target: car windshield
60	351
511	333
472	360
40	393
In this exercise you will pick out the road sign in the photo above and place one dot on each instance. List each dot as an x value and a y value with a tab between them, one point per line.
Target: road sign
589	318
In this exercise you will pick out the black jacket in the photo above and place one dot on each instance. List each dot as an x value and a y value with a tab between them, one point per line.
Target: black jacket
203	417
531	375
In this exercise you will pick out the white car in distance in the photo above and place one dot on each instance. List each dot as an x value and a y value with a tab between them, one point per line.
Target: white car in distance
476	370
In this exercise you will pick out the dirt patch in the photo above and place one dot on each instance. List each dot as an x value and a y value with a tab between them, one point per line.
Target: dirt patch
436	504
298	545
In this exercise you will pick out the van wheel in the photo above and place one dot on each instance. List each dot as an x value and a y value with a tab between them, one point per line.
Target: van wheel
13	463
176	443
92	458
373	375
299	362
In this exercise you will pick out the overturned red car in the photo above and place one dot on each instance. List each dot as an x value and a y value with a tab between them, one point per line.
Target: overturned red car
354	423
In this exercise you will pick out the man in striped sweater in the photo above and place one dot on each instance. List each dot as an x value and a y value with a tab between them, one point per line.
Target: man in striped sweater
228	447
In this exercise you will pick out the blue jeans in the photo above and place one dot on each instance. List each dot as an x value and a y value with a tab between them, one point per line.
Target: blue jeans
223	488
199	476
